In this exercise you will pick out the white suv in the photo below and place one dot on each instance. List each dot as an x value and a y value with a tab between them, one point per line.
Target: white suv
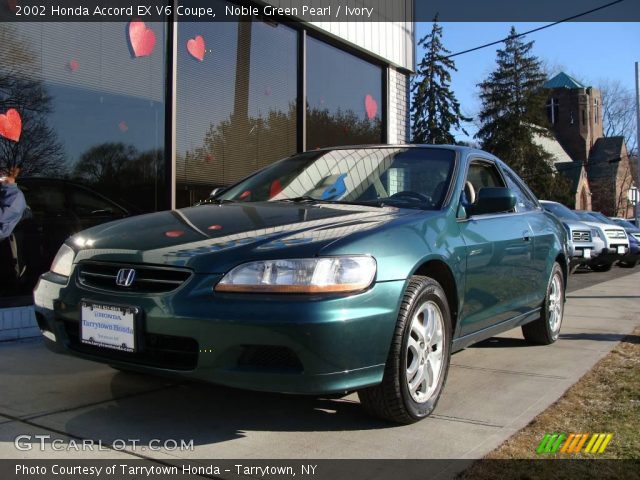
614	237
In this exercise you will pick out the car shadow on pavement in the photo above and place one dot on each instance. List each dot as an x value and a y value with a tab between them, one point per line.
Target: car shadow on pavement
601	337
501	342
602	296
209	414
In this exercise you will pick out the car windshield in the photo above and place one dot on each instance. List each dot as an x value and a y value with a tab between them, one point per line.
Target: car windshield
560	211
602	218
625	223
400	177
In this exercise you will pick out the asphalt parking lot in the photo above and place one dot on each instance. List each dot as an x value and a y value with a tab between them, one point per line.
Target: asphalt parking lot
494	389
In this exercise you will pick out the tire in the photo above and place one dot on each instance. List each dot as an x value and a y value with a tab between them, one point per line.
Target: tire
628	264
546	329
402	397
603	267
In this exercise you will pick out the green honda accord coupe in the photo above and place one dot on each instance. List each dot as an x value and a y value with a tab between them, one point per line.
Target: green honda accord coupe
337	270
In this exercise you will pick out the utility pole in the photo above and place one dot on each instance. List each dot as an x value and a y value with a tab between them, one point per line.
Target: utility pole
638	144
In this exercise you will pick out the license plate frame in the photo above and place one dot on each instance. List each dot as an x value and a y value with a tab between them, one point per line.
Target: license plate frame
586	253
621	250
109	326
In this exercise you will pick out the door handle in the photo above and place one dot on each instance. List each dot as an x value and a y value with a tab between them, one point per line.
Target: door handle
526	236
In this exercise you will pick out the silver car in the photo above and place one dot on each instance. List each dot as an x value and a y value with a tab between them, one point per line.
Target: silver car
615	239
584	244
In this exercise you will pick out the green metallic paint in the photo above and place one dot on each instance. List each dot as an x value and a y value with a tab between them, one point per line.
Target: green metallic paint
342	341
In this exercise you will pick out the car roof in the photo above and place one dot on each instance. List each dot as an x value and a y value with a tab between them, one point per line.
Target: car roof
459	148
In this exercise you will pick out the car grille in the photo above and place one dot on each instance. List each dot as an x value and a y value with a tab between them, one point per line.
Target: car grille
616	233
581	236
148	279
160	351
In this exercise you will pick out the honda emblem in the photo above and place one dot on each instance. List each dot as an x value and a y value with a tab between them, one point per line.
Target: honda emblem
125	277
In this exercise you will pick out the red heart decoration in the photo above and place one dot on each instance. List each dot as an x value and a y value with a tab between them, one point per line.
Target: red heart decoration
174	233
73	65
12	5
124	128
371	106
195	46
11	125
142	39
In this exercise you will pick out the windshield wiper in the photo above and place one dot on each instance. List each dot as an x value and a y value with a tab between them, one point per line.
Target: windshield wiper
309	199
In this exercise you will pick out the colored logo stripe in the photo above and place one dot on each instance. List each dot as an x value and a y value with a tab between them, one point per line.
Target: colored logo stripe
552	442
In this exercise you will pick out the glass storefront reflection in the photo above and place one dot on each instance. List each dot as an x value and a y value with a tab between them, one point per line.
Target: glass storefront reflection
91	147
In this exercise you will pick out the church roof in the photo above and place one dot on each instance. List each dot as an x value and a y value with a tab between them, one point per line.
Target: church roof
562	80
604	158
552	147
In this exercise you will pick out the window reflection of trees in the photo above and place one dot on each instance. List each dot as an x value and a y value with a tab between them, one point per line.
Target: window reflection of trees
38	152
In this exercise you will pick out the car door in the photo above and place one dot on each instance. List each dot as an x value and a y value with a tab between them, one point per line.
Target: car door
538	269
498	248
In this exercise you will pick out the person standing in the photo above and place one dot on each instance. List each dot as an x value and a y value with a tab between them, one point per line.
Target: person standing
12	203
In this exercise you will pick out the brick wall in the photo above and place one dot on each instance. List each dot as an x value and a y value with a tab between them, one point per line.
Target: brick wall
18	322
398	107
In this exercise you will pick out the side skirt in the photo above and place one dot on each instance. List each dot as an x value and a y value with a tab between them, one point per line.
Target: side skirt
475	337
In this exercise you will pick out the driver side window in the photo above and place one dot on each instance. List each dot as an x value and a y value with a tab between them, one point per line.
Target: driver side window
480	175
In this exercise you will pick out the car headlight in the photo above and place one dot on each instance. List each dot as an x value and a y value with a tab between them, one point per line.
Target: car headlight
303	275
63	262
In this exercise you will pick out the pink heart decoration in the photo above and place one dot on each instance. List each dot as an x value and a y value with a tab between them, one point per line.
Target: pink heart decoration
196	48
73	65
11	125
371	106
142	39
123	126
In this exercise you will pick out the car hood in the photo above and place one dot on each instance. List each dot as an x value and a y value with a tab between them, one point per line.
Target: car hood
603	226
214	238
575	225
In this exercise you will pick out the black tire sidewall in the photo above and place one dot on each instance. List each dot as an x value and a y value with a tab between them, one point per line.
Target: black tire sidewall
430	290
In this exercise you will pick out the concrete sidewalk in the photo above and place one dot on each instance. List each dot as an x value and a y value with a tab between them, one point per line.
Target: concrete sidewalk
494	389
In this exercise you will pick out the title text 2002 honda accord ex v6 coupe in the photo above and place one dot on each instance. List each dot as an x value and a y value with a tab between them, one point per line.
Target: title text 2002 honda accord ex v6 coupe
330	271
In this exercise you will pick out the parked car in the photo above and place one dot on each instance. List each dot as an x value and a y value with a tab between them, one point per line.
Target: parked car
58	209
624	222
584	241
631	259
348	269
614	237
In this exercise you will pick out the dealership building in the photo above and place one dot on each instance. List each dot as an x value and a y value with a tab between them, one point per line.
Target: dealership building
135	117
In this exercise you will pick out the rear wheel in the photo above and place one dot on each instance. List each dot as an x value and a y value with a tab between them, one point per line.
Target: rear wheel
545	330
418	361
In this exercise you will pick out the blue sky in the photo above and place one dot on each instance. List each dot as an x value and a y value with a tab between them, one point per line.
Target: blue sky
587	50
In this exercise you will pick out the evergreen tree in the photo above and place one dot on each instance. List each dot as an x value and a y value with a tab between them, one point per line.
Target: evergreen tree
435	109
513	110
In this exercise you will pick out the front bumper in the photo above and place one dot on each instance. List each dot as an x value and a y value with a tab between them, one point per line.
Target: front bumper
278	343
610	254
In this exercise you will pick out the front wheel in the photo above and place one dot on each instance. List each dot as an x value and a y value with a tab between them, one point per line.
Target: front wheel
545	330
418	360
602	267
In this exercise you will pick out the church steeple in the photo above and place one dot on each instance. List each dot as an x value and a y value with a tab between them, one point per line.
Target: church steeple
575	114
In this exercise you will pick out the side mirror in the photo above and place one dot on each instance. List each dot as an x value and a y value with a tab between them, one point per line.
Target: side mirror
492	200
215	192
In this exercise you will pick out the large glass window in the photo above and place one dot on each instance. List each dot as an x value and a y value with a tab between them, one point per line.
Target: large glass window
344	98
91	100
236	102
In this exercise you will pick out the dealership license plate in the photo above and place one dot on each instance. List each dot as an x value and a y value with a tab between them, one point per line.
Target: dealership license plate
108	326
620	250
587	253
